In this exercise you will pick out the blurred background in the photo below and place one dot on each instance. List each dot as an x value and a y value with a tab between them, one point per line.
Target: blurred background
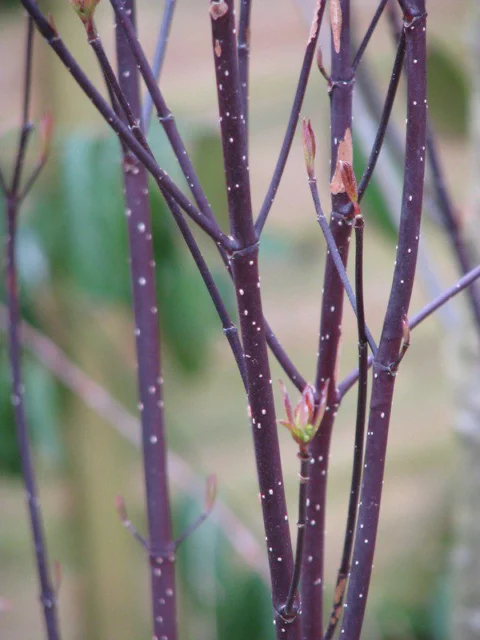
75	289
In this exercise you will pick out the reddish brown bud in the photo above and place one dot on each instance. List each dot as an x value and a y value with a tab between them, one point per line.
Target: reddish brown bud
406	330
46	134
120	506
52	24
350	184
309	147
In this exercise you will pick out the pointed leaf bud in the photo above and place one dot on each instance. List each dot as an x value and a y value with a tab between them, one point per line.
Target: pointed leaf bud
121	509
46	135
309	147
85	10
286	402
350	184
211	492
52	24
406	330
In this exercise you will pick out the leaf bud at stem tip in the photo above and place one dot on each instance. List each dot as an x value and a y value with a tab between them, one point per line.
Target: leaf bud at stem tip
309	147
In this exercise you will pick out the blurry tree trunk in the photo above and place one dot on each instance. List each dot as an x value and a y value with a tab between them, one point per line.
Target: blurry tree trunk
466	559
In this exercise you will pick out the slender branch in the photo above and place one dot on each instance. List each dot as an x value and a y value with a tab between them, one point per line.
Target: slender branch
244	54
158	59
211	493
293	119
331	320
229	329
30	181
392	334
359	437
247	288
384	120
302	522
466	281
26	126
366	38
336	257
12	322
129	139
451	222
165	116
47	591
142	268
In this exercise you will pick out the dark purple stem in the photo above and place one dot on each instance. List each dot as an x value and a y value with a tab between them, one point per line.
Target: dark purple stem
359	437
126	136
142	266
293	119
390	343
366	39
47	593
247	288
329	338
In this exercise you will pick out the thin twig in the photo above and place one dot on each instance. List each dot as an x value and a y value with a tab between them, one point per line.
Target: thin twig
366	39
466	281
359	437
210	497
293	118
158	59
335	254
302	522
244	54
387	110
13	326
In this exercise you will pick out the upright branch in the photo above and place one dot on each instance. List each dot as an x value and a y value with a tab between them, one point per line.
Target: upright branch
150	381
350	184
393	330
246	277
294	114
331	316
12	196
371	28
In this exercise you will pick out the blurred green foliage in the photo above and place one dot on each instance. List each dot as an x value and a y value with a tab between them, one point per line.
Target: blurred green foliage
448	91
72	238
